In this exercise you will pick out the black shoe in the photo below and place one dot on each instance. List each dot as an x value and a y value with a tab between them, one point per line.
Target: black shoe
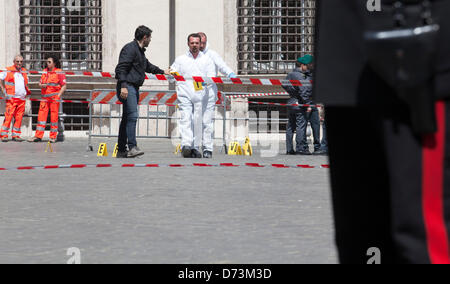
135	152
5	139
17	139
207	154
304	153
34	140
196	154
291	153
320	152
186	152
122	155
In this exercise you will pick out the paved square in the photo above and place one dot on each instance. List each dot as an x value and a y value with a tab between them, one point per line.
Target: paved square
162	215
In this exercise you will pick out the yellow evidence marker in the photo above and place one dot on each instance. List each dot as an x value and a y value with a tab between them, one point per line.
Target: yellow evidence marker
235	149
116	149
49	148
177	149
247	149
102	150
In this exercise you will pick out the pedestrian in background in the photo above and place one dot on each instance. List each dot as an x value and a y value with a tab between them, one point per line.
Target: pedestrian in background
212	93
53	85
14	84
299	117
130	75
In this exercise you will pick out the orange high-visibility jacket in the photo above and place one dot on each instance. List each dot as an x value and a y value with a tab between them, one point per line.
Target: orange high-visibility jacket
52	81
10	84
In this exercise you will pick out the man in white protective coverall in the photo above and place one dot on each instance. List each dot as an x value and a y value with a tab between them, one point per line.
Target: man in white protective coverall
192	96
212	91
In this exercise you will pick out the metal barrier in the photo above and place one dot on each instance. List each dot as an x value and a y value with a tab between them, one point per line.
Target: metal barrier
156	120
166	109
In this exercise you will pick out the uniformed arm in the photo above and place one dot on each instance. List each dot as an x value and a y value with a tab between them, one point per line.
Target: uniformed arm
42	84
221	65
175	66
293	91
126	59
63	83
210	68
305	94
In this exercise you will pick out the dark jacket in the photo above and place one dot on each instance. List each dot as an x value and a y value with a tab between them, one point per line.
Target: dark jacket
133	65
303	94
340	46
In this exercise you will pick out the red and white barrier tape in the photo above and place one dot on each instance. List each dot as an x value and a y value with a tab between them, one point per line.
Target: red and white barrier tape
160	98
110	98
253	95
196	165
281	104
211	80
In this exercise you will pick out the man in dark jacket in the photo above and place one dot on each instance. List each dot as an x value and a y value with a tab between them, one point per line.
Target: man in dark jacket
300	116
130	75
390	179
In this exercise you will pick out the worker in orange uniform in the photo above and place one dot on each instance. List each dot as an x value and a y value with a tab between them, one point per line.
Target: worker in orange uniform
14	84
53	86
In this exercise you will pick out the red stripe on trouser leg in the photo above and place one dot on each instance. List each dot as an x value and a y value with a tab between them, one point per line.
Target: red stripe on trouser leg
433	191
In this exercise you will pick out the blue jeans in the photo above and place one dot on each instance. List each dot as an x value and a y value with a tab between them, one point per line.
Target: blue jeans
127	130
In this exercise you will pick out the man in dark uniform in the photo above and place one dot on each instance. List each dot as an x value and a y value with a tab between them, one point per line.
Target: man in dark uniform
300	116
390	181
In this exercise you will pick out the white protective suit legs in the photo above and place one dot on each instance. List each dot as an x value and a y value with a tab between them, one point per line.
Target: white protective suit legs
190	124
210	108
209	111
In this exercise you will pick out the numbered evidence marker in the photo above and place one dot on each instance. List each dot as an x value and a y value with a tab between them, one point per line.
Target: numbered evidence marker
235	149
49	148
247	149
178	149
102	150
116	149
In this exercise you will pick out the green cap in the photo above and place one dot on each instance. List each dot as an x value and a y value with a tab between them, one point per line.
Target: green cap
307	59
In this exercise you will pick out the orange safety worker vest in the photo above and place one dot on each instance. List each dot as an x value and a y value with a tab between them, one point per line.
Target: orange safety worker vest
52	81
10	83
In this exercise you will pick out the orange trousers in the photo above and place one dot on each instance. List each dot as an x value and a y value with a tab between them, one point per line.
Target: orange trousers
42	118
15	108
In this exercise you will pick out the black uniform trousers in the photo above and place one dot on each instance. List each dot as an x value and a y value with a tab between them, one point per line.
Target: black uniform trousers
390	188
298	119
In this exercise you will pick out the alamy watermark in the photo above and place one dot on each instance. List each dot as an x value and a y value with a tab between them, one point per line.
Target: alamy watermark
374	5
375	255
75	256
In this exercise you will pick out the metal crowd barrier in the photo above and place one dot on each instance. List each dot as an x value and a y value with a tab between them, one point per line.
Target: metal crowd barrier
108	104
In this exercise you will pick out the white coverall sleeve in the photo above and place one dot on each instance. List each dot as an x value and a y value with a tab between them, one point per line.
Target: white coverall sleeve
220	63
175	66
210	68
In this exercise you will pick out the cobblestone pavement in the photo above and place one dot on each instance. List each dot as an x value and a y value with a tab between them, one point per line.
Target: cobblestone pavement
162	215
